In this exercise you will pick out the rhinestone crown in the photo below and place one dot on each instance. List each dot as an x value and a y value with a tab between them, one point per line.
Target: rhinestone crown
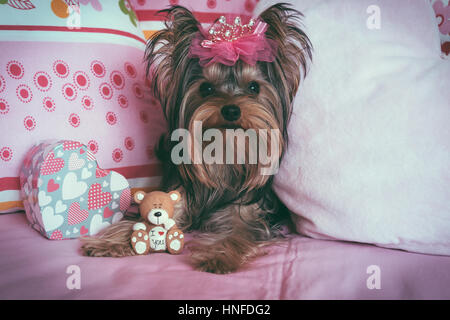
223	31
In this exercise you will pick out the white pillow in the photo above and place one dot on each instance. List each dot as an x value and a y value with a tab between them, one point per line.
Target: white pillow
369	152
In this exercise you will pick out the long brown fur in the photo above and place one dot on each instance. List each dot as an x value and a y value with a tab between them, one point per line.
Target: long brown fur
232	205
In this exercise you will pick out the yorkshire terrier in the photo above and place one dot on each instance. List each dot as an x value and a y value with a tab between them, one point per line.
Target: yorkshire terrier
234	76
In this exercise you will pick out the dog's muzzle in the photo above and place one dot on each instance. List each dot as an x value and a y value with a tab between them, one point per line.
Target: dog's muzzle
231	112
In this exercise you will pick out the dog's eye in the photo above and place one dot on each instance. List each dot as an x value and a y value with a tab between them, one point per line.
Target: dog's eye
206	89
253	87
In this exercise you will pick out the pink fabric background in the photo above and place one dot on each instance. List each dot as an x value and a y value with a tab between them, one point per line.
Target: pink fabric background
301	268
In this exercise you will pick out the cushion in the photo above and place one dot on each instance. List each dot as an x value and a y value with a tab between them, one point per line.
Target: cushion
369	152
75	73
442	11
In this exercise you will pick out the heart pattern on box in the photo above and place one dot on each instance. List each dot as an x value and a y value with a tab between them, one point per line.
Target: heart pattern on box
52	165
76	215
66	194
96	198
52	186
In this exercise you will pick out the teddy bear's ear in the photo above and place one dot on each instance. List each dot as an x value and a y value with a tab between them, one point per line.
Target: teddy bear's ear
175	196
139	196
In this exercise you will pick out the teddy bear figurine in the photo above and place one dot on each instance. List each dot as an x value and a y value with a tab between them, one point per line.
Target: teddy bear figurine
158	232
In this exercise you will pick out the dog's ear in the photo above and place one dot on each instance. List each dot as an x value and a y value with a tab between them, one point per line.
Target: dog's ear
168	50
293	47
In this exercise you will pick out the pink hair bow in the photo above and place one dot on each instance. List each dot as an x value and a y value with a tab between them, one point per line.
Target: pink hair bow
227	43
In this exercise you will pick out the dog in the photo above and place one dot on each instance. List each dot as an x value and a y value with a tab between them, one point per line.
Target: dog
231	205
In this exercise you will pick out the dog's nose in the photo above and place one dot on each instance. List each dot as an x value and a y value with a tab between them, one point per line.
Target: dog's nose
157	214
231	112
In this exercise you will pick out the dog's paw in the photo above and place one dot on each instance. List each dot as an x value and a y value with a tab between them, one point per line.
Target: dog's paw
140	242
214	259
216	265
175	241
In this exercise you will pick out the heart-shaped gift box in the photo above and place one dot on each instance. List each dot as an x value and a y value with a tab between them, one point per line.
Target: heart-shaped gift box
66	194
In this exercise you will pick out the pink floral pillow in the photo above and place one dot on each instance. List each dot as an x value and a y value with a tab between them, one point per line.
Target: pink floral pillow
442	11
74	70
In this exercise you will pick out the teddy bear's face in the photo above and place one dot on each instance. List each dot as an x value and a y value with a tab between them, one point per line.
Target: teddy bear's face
157	207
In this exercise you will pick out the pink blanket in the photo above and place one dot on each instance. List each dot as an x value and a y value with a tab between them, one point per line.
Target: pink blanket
32	267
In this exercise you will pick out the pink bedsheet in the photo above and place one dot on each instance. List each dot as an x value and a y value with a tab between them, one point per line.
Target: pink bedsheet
32	267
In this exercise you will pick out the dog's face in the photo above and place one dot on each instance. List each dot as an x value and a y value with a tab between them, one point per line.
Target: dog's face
241	96
232	97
